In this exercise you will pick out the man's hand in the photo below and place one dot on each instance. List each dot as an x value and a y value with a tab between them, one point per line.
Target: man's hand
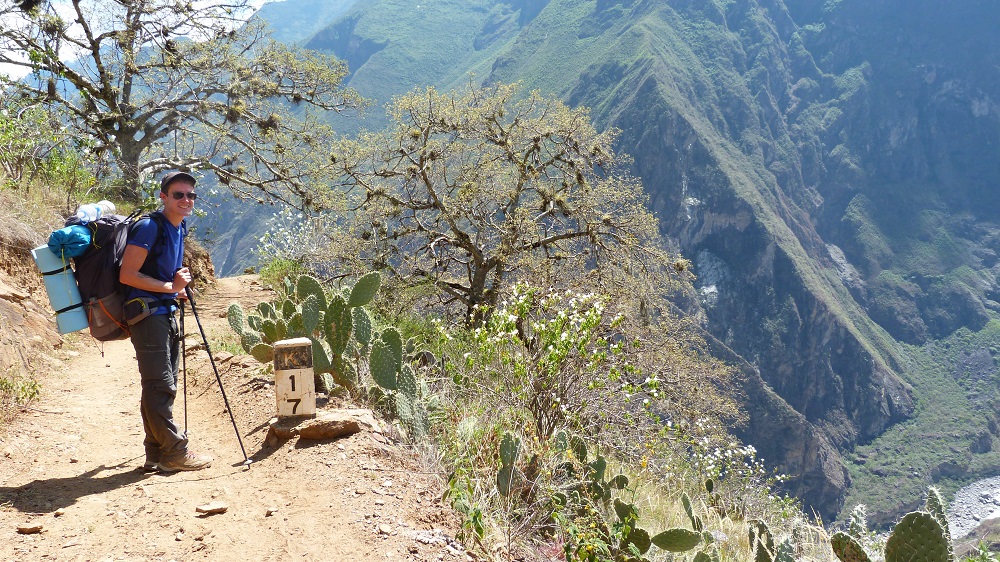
181	279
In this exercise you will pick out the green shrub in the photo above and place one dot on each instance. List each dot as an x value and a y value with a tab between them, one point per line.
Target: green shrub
276	271
16	391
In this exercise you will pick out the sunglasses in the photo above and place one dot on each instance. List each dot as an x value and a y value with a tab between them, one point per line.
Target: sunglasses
178	195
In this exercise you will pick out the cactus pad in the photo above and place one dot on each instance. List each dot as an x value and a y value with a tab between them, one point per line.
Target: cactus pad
324	382
296	327
510	448
344	372
391	338
761	541
504	477
266	310
625	511
249	339
579	448
337	325
362	326
935	506
847	548
269	330
619	482
639	538
236	318
382	364
310	313
598	467
364	290
309	286
287	308
406	381
263	352
918	537
321	359
677	540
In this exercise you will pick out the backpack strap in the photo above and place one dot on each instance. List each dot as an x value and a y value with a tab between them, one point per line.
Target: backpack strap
161	236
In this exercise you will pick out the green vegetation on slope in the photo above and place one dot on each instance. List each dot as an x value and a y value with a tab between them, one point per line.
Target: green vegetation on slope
956	379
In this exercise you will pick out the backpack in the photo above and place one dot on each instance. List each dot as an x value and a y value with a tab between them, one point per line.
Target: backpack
98	268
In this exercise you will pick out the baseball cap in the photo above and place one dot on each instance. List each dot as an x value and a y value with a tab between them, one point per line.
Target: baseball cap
174	176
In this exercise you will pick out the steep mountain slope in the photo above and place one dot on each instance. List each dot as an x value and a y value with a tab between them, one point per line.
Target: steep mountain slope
828	166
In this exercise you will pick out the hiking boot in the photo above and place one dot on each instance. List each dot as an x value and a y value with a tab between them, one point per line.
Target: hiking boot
150	466
189	461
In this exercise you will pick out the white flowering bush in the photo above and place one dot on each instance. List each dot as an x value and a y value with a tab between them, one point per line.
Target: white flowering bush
554	357
290	235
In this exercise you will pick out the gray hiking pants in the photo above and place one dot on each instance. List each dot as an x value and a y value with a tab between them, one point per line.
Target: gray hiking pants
157	349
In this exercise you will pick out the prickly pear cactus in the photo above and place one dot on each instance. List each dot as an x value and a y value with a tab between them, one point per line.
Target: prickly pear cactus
362	326
394	342
677	540
324	382
263	352
237	318
857	525
269	331
411	415
338	325
918	537
579	448
296	327
761	541
696	522
784	552
935	506
364	290
310	314
510	448
382	363
344	372
847	548
708	555
249	339
639	538
625	511
266	310
288	308
406	381
308	285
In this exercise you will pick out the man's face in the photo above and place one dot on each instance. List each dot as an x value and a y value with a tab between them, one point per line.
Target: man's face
177	200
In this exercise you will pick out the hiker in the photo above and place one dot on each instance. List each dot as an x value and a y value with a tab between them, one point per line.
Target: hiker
155	278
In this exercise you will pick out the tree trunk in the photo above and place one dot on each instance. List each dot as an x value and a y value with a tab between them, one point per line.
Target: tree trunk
130	186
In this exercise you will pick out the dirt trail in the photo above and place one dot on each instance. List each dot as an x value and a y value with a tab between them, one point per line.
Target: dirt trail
72	465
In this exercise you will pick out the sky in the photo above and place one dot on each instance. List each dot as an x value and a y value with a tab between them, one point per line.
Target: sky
65	9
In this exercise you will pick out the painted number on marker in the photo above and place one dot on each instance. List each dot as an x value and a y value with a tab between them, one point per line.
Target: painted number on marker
292	378
295	403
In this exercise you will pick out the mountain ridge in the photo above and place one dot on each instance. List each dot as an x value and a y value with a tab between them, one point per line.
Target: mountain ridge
751	126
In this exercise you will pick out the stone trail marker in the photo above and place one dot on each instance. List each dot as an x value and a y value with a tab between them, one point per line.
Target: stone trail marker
294	387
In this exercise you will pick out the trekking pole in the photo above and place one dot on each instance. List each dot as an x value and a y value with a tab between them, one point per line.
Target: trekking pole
184	366
204	338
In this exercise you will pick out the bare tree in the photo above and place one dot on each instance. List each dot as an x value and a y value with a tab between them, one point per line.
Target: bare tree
473	191
160	84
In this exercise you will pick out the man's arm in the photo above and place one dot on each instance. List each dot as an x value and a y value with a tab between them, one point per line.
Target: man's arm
133	259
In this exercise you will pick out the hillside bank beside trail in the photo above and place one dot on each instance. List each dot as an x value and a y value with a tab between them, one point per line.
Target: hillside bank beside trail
72	488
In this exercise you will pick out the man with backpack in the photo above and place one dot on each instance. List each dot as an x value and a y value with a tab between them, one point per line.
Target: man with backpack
155	278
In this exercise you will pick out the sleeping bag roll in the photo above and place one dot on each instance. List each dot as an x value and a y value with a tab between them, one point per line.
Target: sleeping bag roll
64	296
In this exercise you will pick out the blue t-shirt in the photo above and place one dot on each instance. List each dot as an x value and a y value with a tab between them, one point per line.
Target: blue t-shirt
166	251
